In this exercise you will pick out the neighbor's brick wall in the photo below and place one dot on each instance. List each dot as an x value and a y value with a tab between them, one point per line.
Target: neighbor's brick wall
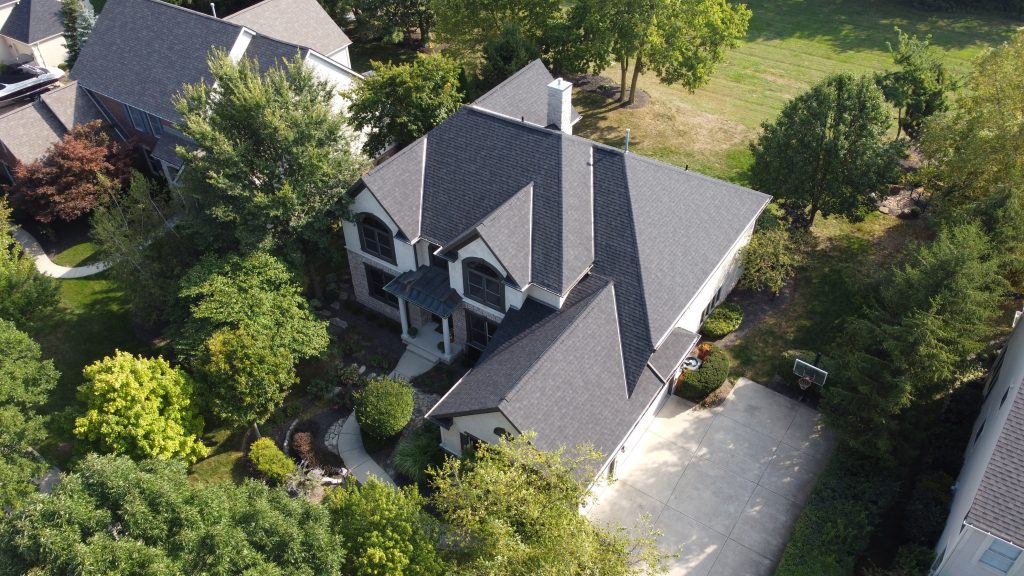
460	319
361	288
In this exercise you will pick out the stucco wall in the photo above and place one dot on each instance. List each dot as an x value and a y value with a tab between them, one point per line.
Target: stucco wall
962	548
477	249
405	256
51	52
724	278
479	425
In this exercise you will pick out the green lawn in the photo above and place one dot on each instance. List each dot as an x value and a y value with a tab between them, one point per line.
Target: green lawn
790	45
77	255
91	322
225	462
362	53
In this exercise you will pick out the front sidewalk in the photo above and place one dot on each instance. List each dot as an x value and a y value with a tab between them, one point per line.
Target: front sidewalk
723	485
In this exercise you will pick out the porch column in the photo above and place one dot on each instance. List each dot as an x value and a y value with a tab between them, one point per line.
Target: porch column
403	311
447	338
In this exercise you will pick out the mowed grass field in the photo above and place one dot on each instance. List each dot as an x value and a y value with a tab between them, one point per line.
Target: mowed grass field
790	45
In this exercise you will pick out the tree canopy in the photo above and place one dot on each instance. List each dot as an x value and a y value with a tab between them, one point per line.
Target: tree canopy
506	54
273	158
917	337
141	407
25	383
514	509
402	102
27	294
385	530
116	517
681	41
827	151
394	19
465	26
65	183
975	152
918	87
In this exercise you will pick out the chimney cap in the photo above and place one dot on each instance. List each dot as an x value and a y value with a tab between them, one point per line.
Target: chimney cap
560	84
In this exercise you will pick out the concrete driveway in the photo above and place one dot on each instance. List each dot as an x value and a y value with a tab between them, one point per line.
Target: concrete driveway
724	485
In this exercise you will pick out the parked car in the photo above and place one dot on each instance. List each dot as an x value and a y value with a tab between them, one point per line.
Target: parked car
26	80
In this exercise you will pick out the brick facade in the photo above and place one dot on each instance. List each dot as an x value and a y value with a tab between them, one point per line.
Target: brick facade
418	316
361	288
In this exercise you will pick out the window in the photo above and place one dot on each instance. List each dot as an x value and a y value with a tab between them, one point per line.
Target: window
138	118
155	127
467	441
1003	399
479	330
375	238
376	280
483	284
978	434
1000	556
435	260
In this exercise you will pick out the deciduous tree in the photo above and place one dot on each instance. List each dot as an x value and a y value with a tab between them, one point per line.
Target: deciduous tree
827	151
385	530
918	87
402	102
769	260
27	294
506	54
975	153
394	19
681	41
141	407
272	159
65	183
25	383
465	26
120	518
514	509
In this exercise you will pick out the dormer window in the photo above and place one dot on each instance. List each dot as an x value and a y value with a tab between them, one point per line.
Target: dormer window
375	238
483	284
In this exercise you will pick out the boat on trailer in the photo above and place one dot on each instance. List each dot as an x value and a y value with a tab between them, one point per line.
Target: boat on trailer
27	80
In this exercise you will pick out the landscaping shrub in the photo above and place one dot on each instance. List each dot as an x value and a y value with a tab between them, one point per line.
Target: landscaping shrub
269	461
419	451
384	407
927	509
840	517
722	320
706	379
304	449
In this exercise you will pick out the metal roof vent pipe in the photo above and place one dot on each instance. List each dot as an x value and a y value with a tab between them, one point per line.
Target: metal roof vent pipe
213	9
560	105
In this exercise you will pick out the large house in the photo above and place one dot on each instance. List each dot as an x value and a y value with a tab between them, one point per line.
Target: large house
984	534
141	52
575	275
32	31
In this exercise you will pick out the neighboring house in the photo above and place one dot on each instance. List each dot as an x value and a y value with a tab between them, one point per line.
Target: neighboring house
984	534
574	274
32	31
27	132
141	52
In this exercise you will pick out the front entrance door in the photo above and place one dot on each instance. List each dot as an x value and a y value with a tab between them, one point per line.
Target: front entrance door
440	322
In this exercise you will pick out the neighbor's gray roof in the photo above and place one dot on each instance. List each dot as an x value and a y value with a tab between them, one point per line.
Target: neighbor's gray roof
71	105
302	22
998	506
29	131
523	95
427	287
141	52
34	20
166	148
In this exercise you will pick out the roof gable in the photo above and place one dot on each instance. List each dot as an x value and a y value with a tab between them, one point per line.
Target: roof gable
523	95
71	105
29	131
506	231
34	20
301	22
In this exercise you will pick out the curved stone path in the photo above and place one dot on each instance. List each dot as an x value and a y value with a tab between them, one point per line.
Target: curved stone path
47	266
346	441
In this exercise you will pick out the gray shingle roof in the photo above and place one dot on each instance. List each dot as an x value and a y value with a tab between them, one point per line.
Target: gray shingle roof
271	53
71	105
166	148
34	20
672	351
302	22
998	506
142	51
507	232
523	95
29	131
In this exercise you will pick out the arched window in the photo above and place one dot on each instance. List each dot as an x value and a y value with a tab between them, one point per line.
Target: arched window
483	284
375	238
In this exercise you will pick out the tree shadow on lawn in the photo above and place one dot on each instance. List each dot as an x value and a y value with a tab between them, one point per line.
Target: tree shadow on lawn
855	25
90	323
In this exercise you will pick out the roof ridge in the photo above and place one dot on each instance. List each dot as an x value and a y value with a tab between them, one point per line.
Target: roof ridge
588	309
188	11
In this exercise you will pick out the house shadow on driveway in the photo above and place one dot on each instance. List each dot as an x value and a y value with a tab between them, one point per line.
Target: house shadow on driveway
724	485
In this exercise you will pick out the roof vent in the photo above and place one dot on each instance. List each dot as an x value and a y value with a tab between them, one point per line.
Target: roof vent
560	105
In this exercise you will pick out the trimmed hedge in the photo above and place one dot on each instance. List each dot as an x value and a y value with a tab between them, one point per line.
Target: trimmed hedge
708	378
269	461
722	320
384	407
842	514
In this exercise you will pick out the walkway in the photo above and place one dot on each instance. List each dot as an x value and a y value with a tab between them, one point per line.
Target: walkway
46	266
725	485
411	365
347	442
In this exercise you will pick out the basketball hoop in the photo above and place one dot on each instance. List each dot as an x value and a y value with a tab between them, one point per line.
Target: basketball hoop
809	374
805	382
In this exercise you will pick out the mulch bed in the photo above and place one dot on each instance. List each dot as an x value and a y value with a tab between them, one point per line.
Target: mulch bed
609	89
